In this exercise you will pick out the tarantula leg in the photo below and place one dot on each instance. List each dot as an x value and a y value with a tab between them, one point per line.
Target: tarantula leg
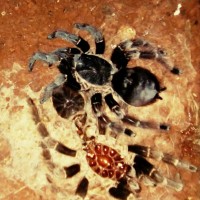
140	49
34	111
72	170
58	146
43	130
114	106
61	148
96	101
103	120
151	153
99	39
52	57
121	129
76	40
120	56
49	88
121	191
144	124
145	168
49	58
82	187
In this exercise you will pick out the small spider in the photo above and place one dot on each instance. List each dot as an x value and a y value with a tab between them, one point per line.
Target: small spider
87	77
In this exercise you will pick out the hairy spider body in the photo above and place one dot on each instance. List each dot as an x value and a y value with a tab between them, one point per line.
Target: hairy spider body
135	86
93	69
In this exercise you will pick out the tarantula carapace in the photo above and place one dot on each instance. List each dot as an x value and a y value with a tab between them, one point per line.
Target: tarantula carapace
86	74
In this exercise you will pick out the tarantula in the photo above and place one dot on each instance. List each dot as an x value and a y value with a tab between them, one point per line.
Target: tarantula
86	74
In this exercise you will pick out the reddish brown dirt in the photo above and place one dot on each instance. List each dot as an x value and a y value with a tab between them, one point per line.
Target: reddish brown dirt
24	28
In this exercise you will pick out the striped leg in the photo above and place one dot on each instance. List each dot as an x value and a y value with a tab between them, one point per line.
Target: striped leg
157	155
99	39
52	57
103	120
76	40
145	168
130	120
140	49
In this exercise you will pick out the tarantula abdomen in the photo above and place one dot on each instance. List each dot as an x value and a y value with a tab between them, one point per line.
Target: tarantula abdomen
67	101
137	86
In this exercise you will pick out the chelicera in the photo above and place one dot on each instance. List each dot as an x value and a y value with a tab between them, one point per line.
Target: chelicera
90	78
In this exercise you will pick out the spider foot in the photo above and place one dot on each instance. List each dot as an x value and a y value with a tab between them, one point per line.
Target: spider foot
64	35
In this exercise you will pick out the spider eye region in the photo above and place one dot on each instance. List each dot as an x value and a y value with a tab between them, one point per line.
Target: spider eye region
94	69
136	86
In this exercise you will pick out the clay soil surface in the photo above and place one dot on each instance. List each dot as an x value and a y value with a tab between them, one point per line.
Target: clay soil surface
172	25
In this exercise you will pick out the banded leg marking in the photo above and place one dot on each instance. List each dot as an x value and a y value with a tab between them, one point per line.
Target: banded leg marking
114	106
99	39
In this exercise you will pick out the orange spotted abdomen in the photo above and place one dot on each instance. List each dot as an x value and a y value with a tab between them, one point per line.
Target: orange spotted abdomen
106	161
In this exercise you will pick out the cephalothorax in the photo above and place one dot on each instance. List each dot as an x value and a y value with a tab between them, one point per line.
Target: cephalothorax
103	81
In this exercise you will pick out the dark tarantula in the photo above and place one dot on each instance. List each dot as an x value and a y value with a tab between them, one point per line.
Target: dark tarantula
85	73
